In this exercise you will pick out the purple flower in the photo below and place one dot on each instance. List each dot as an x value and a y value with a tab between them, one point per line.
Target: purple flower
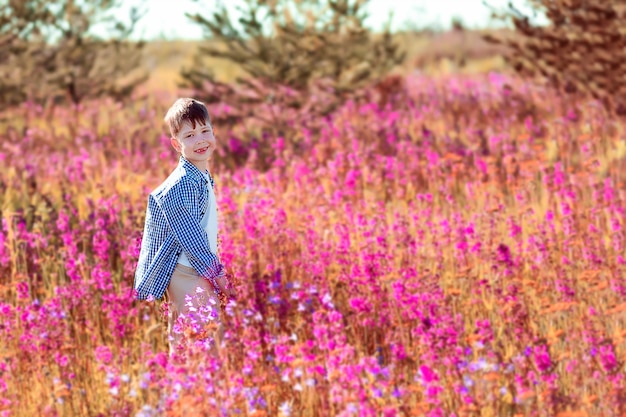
427	374
542	358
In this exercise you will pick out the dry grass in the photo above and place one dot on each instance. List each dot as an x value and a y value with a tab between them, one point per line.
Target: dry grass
165	59
459	260
431	53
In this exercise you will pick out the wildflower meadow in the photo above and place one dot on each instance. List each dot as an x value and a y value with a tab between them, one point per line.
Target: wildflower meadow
457	251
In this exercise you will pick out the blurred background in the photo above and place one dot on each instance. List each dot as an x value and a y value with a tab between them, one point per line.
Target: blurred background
425	29
311	51
162	20
149	43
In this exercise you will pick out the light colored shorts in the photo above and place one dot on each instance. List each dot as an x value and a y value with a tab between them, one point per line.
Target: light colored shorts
185	281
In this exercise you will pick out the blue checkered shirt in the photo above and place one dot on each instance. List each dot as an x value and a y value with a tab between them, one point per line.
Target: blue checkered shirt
175	209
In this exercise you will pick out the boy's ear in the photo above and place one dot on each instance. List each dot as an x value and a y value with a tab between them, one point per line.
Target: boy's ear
175	144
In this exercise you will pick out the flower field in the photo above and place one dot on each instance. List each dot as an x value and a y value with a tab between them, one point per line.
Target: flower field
458	253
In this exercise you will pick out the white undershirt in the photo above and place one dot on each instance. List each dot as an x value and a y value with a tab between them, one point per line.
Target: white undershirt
208	223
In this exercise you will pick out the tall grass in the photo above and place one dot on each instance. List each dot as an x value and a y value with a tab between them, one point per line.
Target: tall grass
459	253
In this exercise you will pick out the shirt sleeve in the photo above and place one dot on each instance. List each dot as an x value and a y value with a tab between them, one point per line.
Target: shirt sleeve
181	210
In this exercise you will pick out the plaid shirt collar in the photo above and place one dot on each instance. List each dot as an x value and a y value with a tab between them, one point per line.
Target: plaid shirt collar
192	169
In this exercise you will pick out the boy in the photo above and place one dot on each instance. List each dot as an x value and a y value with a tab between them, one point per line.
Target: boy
179	255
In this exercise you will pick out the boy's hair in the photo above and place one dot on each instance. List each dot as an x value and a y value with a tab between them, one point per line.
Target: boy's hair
186	109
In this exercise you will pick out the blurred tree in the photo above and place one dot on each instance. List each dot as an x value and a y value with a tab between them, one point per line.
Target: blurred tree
19	22
306	55
582	50
49	51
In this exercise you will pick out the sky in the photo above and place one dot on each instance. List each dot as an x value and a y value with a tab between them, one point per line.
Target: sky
166	18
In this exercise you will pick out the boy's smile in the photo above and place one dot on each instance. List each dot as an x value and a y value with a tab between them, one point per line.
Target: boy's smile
202	150
196	144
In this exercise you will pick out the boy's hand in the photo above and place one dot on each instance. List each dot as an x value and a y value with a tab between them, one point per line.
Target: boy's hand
226	287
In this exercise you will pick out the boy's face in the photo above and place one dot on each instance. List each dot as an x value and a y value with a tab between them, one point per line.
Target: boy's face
196	145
